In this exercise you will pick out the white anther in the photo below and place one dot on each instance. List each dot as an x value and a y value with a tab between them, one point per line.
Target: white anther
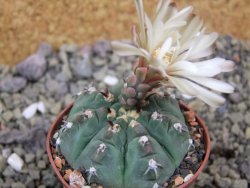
88	113
143	140
156	185
152	165
91	172
157	116
69	125
133	123
101	148
115	128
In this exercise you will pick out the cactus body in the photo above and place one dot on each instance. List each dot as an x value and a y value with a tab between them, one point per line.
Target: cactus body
121	148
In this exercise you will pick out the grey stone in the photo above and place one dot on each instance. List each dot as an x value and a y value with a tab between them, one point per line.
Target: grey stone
56	108
41	186
97	61
19	151
213	169
99	75
222	182
2	163
9	172
71	48
236	117
235	97
7	183
56	88
204	179
115	59
53	62
29	157
41	164
240	183
247	133
8	115
39	154
82	68
2	107
247	118
245	169
12	84
224	171
6	152
33	67
17	113
233	174
236	129
34	174
49	179
29	183
17	185
73	89
45	49
102	48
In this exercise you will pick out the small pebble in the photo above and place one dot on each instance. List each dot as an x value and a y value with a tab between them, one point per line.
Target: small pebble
247	133
110	80
188	177
15	162
178	180
41	164
29	157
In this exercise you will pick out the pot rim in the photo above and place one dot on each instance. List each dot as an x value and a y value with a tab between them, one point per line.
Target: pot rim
66	110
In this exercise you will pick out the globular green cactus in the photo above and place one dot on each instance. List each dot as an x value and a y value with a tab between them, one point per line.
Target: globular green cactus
135	135
124	147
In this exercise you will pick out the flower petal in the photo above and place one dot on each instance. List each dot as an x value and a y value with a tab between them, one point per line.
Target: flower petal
179	67
202	42
213	84
193	89
140	12
124	49
178	19
192	29
214	66
161	9
208	68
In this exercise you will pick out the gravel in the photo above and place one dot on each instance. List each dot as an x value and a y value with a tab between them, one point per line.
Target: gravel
54	78
12	84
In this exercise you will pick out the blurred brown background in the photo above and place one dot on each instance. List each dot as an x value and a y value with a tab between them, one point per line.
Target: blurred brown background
26	23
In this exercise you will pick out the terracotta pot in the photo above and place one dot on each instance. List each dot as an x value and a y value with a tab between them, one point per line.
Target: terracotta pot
59	119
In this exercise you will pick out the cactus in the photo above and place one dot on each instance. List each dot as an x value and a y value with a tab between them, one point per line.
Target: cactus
121	147
134	134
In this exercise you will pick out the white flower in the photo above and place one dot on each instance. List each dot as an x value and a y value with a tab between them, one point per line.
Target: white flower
173	43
